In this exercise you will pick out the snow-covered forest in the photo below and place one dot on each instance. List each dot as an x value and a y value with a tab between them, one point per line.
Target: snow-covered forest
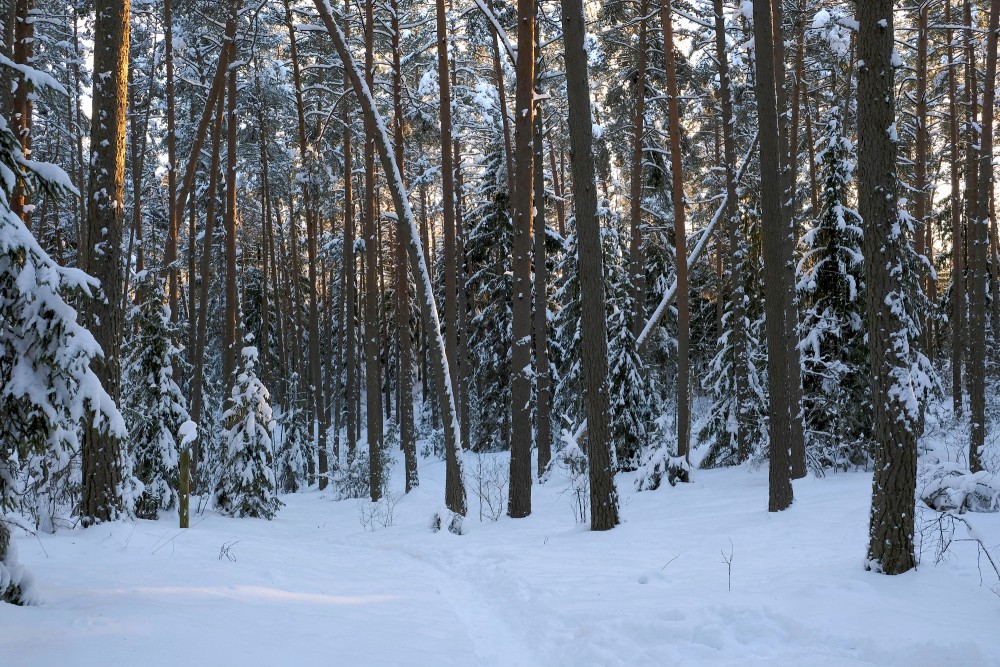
499	332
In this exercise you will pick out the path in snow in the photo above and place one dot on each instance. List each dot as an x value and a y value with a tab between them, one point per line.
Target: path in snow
313	586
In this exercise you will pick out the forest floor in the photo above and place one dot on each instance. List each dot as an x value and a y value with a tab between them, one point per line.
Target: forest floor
315	586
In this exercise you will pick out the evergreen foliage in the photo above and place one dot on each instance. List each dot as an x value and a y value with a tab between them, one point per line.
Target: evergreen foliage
832	327
153	403
245	485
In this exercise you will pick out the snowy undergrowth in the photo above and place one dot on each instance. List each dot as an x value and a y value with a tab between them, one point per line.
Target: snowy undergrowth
544	591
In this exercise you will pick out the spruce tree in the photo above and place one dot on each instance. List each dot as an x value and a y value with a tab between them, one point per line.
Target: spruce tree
154	405
245	484
832	330
47	388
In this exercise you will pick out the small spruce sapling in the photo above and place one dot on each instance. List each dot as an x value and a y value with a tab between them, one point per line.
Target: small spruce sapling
246	484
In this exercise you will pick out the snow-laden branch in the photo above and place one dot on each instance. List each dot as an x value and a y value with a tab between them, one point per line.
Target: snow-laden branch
669	295
492	18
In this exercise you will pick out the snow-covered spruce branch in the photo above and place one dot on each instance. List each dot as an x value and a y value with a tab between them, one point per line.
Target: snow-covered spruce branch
706	233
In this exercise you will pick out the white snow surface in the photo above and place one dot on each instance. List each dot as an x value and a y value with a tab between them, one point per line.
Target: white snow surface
313	585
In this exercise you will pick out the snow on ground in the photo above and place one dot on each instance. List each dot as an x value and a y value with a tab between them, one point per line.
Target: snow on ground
314	585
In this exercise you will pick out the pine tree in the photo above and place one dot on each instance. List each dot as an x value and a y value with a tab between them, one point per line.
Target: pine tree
246	484
832	329
153	404
47	388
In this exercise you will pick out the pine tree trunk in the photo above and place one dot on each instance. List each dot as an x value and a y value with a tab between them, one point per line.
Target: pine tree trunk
787	153
979	238
737	314
373	393
454	477
957	231
231	324
170	247
890	548
20	121
520	439
407	441
921	141
101	247
774	231
543	381
680	238
637	260
198	372
316	395
350	284
594	340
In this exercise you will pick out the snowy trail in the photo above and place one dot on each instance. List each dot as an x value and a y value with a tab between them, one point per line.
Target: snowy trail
536	592
289	596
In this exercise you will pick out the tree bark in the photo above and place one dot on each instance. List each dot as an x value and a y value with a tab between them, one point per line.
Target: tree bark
102	474
773	232
594	340
957	231
369	224
890	548
543	380
407	441
680	238
979	238
520	438
737	313
637	260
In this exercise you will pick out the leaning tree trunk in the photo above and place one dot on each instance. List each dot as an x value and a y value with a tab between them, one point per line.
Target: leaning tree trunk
454	480
594	339
890	548
773	232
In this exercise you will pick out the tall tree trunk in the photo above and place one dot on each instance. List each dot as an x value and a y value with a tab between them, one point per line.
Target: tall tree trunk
373	393
170	247
637	260
594	338
407	441
350	282
890	548
737	313
102	499
958	259
773	232
454	478
543	380
922	140
979	238
23	24
320	423
680	240
198	371
231	324
520	393
787	152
